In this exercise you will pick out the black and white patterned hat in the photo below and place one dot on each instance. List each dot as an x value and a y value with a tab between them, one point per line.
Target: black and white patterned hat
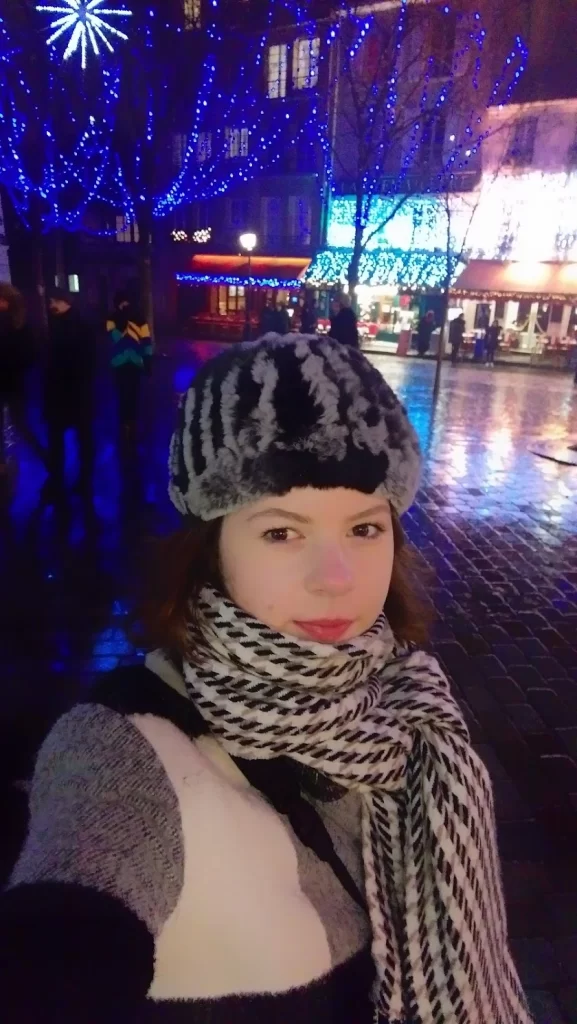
279	413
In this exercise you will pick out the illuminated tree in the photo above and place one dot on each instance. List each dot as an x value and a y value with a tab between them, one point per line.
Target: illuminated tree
409	88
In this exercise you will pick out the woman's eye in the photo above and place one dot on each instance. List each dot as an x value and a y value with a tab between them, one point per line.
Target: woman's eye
280	535
368	530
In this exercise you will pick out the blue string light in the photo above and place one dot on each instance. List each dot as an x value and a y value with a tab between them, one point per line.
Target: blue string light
240	282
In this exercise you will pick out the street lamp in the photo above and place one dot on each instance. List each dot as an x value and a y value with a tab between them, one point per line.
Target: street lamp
248	241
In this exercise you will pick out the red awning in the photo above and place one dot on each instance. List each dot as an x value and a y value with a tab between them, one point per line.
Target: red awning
206	268
492	279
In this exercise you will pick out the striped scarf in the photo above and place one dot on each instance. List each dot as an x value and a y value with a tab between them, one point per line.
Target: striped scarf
381	721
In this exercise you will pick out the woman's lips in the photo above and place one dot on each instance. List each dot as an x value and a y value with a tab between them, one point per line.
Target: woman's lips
325	630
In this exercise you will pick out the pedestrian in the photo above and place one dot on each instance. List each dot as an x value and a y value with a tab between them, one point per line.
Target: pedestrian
492	339
309	315
344	326
279	817
69	392
266	323
456	335
17	357
424	333
280	320
131	359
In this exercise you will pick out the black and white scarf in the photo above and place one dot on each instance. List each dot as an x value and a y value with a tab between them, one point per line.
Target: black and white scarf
381	721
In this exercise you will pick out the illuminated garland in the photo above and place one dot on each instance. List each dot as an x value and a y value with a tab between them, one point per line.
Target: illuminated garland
72	162
390	268
91	170
240	282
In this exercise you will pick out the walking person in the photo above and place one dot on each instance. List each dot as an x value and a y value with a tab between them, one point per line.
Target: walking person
131	359
425	333
279	817
344	327
17	357
492	339
309	315
69	392
456	335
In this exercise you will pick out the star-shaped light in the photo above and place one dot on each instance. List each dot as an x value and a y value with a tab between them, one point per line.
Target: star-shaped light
87	22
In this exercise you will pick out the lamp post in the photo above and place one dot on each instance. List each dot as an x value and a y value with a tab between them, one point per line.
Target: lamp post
248	242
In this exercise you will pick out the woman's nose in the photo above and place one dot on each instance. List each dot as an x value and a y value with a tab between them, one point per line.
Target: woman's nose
330	572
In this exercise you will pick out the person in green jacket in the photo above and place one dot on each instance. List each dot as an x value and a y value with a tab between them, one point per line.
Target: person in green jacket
131	358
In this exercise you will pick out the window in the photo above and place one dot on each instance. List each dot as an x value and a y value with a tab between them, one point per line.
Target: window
203	147
277	71
179	144
239	213
522	142
300	220
433	142
231	299
271	219
236	142
125	230
191	10
306	63
443	34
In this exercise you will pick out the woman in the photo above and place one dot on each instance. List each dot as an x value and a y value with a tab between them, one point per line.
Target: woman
16	359
280	818
131	358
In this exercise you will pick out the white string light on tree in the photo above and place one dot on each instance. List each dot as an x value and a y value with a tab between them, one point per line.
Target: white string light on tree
88	24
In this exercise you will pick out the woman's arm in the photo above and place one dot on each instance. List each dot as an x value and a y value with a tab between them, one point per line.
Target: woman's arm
100	873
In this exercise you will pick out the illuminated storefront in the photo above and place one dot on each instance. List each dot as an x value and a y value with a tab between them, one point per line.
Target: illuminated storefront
220	295
534	302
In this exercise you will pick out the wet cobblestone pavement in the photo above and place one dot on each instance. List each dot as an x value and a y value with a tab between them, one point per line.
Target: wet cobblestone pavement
497	524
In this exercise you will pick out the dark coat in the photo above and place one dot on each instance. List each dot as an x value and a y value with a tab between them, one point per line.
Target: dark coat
425	330
17	352
70	367
344	327
493	336
456	331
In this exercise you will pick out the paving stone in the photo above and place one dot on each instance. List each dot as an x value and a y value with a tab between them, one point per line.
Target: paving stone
567	999
505	690
539	963
526	719
545	1008
562	770
566	951
554	711
568	738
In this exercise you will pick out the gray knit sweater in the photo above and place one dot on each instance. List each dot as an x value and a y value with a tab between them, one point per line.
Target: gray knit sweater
158	882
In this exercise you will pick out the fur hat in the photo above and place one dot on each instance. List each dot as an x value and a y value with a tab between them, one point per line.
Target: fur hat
264	417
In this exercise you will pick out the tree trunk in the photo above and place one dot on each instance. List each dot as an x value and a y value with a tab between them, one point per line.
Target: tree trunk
354	265
145	267
60	258
39	312
446	296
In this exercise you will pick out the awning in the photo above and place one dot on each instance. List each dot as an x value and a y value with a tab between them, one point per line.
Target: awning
265	271
389	268
492	279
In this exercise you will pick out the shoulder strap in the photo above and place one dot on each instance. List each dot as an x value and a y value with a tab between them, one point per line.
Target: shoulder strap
275	781
140	689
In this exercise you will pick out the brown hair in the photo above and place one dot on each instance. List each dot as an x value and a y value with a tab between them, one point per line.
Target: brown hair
187	560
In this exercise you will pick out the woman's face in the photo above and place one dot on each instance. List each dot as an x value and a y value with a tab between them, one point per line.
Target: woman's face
315	564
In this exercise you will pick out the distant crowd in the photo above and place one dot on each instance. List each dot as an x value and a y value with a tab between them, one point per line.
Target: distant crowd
68	365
